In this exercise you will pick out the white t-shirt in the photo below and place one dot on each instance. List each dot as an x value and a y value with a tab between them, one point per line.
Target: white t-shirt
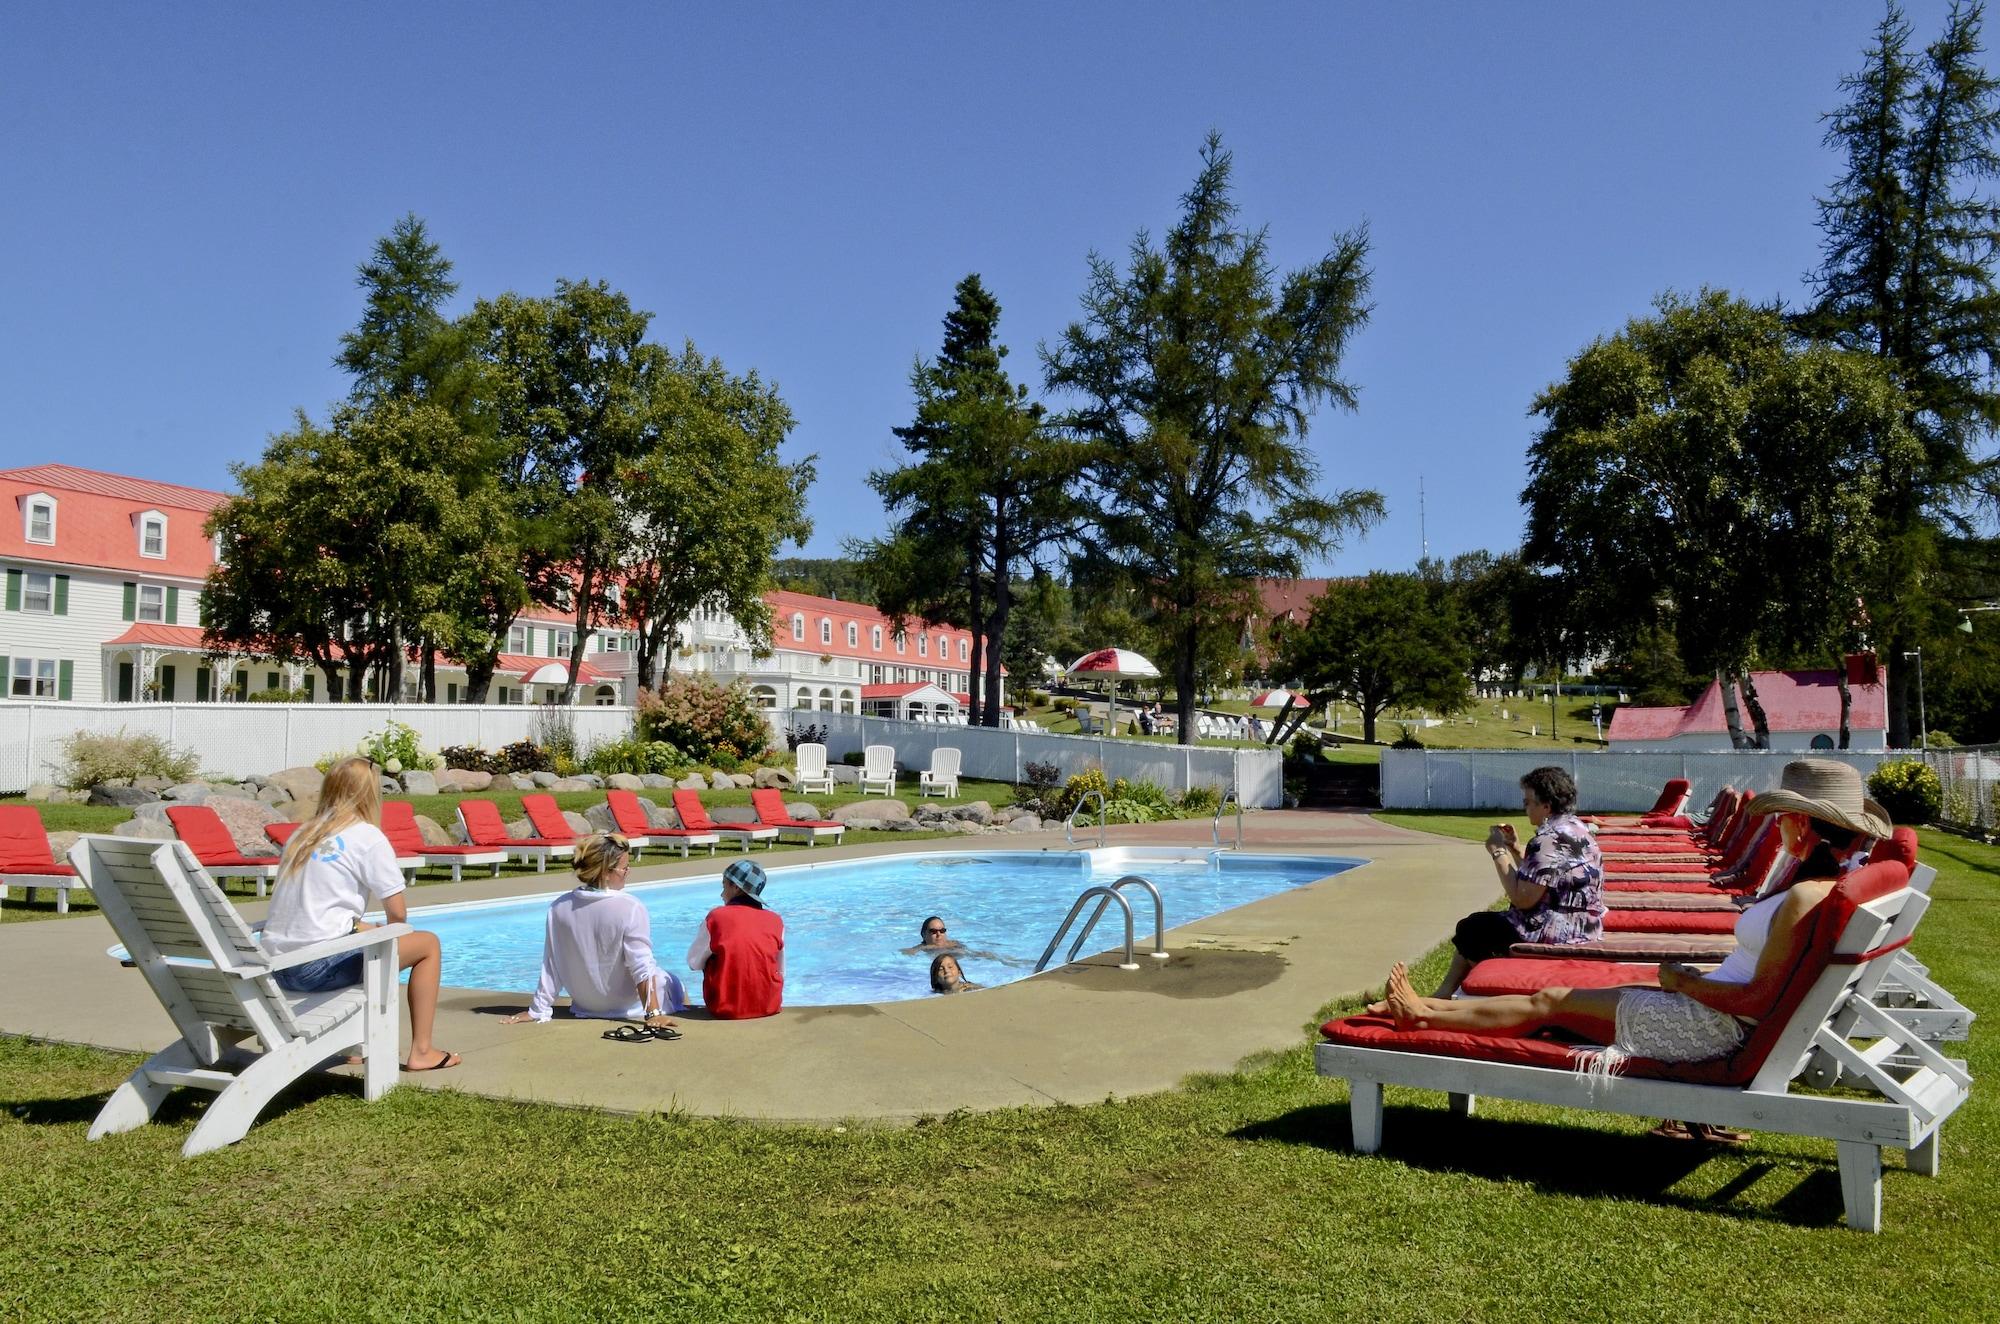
599	946
351	870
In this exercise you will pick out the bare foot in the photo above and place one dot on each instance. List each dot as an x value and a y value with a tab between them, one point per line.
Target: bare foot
1404	1004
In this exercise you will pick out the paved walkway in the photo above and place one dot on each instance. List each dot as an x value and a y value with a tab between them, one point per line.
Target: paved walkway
1239	983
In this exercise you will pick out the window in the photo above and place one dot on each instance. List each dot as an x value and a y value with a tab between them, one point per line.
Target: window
517	640
944	648
901	642
152	603
153	535
825	630
798	627
216	544
965	650
564	641
41	519
875	637
614	642
38	592
923	645
853	635
34	678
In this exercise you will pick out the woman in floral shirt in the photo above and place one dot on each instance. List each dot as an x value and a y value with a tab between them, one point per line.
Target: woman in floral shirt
1555	887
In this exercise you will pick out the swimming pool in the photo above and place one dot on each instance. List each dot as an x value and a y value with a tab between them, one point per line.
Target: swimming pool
848	922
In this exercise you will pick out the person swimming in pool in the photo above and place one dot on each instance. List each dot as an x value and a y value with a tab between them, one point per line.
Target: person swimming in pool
936	938
948	977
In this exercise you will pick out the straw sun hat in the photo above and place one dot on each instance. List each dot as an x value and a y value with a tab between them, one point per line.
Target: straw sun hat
1829	791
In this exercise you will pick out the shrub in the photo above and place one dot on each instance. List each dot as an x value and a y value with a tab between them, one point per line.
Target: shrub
1039	790
1198	801
703	719
553	728
278	696
523	756
1407	738
1129	811
636	756
471	758
1909	790
1146	794
91	758
395	744
805	735
1076	788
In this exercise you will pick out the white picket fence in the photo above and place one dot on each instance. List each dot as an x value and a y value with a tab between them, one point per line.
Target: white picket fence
242	739
1606	782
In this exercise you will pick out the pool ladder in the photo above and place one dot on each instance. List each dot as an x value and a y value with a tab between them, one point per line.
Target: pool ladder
1229	797
1107	895
1103	815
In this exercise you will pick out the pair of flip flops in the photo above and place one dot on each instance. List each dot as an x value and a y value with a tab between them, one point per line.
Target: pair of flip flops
1702	1132
639	1034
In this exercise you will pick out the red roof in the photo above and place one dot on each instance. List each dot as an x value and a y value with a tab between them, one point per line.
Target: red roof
900	691
184	637
1289	599
1793	701
97	521
522	666
144	491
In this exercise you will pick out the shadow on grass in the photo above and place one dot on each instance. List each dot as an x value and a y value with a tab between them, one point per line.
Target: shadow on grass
1570	1160
183	1107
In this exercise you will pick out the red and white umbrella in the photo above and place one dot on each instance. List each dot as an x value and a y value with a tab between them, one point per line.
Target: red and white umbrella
1273	699
1114	665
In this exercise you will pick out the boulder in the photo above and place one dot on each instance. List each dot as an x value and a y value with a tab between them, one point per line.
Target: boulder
733	814
772	779
742	781
843	775
721	781
658	816
656	781
273	796
419	782
122	797
974	811
591	781
432	831
578	823
1026	823
694	781
147	829
523	781
156	810
153	784
245	820
520	829
299	783
41	793
624	781
474	780
60	842
571	784
543	779
803	810
231	791
600	819
390	786
872	813
448	780
187	793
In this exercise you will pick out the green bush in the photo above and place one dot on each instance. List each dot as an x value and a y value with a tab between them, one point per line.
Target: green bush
395	748
1130	811
1146	794
1076	788
91	758
1200	801
704	720
524	756
278	696
1407	739
636	756
1909	790
471	758
1041	788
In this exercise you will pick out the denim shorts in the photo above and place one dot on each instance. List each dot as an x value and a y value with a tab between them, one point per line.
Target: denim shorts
328	972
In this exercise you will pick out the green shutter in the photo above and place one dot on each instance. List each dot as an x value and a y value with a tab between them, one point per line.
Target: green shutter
131	602
6	680
13	590
198	599
62	595
173	606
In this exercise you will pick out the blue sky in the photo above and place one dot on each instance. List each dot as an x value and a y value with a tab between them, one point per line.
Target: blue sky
797	188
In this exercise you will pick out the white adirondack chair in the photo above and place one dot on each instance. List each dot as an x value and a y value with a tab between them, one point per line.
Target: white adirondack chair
878	769
812	773
941	777
215	981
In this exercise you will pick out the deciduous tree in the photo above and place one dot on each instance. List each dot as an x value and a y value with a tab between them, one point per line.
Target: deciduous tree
1382	642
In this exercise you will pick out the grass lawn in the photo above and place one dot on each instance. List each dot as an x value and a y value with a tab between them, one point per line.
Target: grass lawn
103	818
1231	1198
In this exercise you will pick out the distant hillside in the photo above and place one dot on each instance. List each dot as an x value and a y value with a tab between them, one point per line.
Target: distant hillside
826	577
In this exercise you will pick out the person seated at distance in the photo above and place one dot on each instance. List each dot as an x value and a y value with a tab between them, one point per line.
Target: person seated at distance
331	867
740	949
1554	887
1827	824
599	946
947	977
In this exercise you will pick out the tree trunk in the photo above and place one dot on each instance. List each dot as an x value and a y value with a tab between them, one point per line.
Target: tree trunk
1726	682
393	669
584	582
653	637
478	678
996	626
328	668
1185	650
1846	700
1369	711
1758	721
357	673
976	622
429	673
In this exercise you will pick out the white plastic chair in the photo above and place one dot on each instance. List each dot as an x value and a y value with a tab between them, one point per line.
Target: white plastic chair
812	773
942	775
878	769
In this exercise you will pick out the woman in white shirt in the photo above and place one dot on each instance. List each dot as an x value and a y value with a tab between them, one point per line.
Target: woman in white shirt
599	946
331	868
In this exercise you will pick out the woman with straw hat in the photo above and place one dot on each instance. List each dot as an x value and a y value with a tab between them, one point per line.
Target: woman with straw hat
1828	825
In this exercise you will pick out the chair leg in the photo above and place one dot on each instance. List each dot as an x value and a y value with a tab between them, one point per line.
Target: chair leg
1461	1104
381	1031
1922	1157
133	1104
1861	1184
1365	1108
235	1110
62	901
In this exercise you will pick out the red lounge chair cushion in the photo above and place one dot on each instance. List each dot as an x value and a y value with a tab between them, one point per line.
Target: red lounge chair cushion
1651	846
399	825
208	837
1680	822
282	832
1900	847
1681	884
486	828
550	825
1684	902
629	814
24	846
1669	921
693	816
1634	947
1693	868
1672	796
1515	974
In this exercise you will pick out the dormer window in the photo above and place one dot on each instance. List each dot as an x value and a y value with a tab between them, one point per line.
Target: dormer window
853	635
875	637
153	535
825	630
964	650
902	644
923	645
798	627
38	518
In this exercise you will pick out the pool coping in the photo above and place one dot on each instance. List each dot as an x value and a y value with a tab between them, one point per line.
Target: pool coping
1241	982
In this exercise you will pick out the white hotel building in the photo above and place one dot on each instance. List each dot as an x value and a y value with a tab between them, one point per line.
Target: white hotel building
104	577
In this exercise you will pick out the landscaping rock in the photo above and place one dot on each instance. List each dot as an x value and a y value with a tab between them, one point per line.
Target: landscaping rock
153	784
299	783
231	791
694	781
418	782
156	810
656	781
146	829
625	781
600	819
432	831
742	781
123	797
273	796
523	781
872	813
60	842
520	829
543	779
721	781
571	784
245	820
390	786
803	810
658	816
975	811
591	780
474	779
1027	823
733	814
578	823
187	793
842	774
772	779
41	793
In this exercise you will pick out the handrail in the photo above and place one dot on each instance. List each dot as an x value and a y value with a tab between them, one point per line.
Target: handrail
1159	952
1215	829
1111	894
1103	815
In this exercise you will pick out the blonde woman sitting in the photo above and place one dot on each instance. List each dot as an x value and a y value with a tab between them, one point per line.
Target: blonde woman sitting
333	868
599	946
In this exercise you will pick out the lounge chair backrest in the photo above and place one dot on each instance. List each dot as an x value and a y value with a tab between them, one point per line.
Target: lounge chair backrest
812	760
944	762
483	824
280	833
203	830
628	813
548	819
399	825
770	806
1900	845
879	760
693	817
23	842
162	905
1672	797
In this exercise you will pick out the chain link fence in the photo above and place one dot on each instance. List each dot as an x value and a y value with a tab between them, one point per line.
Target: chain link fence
1970	776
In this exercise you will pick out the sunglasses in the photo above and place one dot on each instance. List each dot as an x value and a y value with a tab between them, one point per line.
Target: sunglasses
934	933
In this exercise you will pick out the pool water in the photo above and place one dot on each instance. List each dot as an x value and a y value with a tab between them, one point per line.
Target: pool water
848	923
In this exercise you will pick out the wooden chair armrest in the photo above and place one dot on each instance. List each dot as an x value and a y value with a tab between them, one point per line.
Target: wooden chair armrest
351	942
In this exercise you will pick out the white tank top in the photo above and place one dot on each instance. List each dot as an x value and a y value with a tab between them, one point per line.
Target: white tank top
1753	930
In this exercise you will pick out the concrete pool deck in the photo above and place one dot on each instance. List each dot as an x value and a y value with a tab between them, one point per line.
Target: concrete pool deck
1238	983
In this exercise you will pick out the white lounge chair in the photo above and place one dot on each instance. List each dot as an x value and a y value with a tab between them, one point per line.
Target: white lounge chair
942	776
214	980
878	769
812	773
1918	1086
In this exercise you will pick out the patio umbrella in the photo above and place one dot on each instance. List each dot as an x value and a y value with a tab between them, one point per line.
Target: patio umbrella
1273	699
1114	665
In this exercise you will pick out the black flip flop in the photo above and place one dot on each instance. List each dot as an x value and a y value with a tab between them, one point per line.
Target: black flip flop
629	1034
664	1032
450	1059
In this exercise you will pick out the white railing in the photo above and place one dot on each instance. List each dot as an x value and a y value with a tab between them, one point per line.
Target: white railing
1606	782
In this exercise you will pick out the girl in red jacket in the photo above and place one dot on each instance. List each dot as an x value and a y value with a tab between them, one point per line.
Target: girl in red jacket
740	950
